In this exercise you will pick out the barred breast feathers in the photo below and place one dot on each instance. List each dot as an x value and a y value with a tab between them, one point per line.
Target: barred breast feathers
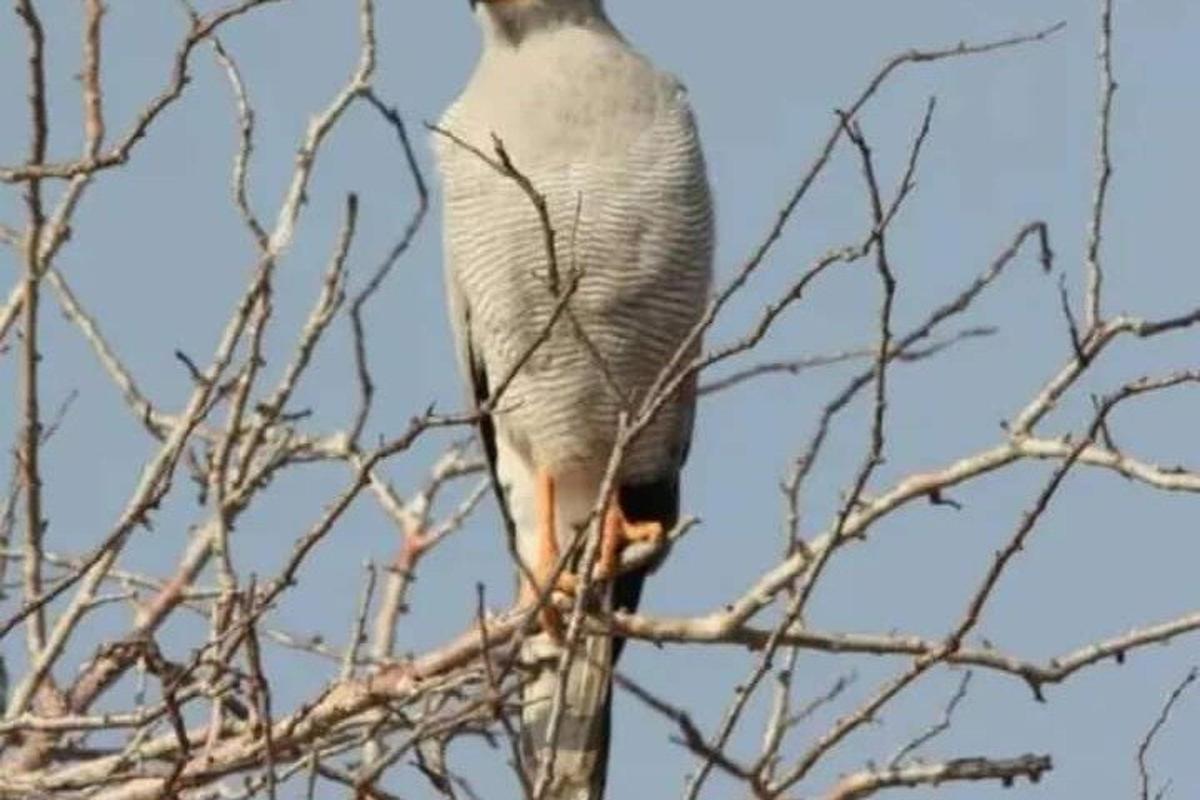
611	143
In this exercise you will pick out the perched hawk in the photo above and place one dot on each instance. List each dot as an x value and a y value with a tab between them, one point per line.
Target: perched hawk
611	144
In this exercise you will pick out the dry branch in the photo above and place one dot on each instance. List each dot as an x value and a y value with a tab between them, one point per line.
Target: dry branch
210	724
1003	771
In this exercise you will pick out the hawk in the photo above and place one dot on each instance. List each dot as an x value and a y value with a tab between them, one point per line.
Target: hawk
610	143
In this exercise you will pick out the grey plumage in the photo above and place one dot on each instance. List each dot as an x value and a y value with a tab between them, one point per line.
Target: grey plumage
611	143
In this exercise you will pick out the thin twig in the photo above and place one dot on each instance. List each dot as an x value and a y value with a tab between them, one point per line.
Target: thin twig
1104	168
1148	740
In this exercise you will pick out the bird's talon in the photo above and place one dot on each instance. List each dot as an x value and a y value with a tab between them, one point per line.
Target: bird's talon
647	532
567	583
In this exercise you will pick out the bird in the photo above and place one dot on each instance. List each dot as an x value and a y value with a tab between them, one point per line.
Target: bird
578	235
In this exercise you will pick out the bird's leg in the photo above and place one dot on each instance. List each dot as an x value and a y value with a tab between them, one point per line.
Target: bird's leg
547	555
619	532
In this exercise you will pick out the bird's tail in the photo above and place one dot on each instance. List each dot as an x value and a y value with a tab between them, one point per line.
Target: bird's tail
575	757
578	755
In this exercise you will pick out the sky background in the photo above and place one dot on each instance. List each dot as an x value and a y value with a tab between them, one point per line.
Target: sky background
159	256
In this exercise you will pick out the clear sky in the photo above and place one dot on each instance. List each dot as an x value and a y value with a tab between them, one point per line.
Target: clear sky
158	254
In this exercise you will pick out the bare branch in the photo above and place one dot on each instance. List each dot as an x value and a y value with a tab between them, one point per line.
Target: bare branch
241	161
1104	168
366	387
218	723
1148	739
93	97
119	154
31	432
1003	771
940	727
802	365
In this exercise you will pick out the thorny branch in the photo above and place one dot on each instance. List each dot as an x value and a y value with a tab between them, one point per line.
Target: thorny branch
212	723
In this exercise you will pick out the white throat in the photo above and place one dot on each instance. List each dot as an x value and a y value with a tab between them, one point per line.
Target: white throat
511	24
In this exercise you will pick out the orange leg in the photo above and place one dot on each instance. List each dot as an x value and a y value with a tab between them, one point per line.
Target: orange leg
545	500
547	555
618	532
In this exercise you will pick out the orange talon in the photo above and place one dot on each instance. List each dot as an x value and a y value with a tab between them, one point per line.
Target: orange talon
619	532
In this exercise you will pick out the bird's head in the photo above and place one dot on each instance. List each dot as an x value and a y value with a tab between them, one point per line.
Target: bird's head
510	22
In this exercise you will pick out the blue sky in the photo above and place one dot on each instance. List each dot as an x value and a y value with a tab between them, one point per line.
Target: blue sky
158	255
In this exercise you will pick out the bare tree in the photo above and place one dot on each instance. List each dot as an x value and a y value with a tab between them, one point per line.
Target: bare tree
130	718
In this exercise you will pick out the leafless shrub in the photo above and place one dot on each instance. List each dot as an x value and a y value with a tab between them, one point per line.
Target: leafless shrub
211	725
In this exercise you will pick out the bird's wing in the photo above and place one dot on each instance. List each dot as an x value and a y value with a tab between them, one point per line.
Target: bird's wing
475	373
